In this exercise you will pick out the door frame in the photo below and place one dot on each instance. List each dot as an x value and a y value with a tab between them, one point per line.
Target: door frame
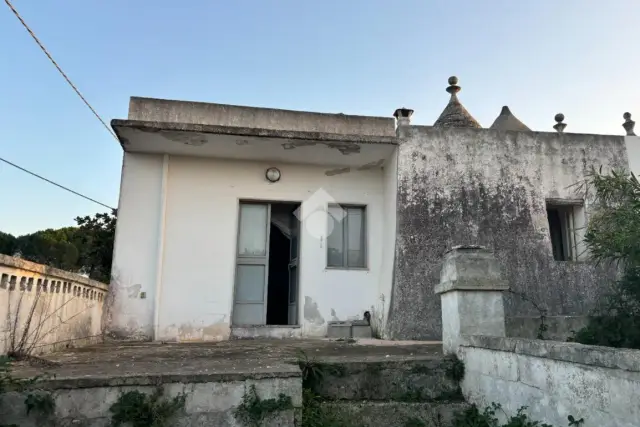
294	263
268	202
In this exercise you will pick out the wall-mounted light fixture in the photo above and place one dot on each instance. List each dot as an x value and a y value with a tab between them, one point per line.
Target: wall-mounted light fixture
273	174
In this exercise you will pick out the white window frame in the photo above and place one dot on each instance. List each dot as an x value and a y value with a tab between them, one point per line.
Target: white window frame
345	236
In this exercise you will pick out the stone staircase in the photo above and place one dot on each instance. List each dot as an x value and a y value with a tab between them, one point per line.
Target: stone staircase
416	392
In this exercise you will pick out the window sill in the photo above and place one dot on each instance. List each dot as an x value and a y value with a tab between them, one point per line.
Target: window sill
346	269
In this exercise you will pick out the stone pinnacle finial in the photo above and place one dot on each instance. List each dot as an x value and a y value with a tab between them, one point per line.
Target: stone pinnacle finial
559	126
628	124
453	85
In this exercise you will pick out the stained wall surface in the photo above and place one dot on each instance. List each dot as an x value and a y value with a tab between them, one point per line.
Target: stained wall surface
489	187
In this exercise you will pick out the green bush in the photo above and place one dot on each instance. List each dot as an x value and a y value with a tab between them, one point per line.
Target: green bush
613	237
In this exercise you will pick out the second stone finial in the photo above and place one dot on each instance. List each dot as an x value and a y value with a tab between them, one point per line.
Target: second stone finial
559	126
628	124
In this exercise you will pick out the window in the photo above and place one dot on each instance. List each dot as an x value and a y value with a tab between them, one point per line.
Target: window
566	227
346	238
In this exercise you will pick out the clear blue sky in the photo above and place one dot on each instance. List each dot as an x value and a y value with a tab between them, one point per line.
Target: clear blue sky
579	57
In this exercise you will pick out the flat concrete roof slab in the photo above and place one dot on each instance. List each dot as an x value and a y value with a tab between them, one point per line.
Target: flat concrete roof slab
231	142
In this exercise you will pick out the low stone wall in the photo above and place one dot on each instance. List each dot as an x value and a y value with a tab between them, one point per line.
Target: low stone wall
553	379
210	400
558	328
43	308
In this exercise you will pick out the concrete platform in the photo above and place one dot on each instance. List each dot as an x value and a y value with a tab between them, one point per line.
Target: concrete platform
116	364
213	377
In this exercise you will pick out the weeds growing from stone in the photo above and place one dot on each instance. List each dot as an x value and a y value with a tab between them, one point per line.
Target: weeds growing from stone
472	417
137	409
39	403
253	410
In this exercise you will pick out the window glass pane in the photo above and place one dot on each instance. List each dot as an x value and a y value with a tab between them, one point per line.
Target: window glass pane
250	283
335	237
355	237
248	314
252	239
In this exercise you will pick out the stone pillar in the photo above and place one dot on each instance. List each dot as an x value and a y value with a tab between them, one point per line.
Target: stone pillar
470	289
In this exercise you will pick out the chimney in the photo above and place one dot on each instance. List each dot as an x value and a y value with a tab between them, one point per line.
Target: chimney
403	116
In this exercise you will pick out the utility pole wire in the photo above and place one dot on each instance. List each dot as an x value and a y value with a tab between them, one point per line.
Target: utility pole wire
56	184
24	24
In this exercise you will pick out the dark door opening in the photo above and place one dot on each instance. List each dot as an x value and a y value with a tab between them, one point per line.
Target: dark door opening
282	275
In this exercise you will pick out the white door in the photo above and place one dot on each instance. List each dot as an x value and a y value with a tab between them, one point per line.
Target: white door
252	264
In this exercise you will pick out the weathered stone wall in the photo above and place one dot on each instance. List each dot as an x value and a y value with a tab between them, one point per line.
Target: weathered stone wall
488	187
554	380
47	307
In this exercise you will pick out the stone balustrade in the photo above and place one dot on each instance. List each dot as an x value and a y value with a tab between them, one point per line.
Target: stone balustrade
44	308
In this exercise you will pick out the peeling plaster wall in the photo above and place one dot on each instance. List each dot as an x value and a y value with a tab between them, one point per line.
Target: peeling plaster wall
127	314
488	187
200	241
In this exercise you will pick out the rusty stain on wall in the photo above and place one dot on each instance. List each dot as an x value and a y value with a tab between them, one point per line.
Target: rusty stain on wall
332	172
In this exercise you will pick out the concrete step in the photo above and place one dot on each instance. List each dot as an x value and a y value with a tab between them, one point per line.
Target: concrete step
391	414
406	380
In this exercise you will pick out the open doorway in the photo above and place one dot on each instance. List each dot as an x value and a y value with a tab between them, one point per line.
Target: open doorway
282	264
267	265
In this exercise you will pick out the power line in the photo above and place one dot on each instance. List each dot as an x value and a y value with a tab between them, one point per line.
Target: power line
95	113
56	184
24	24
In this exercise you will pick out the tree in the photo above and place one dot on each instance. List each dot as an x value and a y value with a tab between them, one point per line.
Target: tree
96	235
613	236
86	248
7	244
50	247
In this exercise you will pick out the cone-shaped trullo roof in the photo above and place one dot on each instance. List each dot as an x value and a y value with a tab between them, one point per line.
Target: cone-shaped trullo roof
507	121
454	114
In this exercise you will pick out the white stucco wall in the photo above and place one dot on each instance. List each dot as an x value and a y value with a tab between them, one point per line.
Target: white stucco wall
130	306
200	243
380	312
554	380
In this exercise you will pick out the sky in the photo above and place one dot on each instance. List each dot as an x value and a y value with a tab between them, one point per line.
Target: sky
365	57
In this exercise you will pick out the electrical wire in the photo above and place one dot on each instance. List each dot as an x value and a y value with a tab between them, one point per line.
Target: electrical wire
46	52
55	183
95	113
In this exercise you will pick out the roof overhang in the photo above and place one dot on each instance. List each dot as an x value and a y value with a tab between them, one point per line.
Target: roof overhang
230	142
